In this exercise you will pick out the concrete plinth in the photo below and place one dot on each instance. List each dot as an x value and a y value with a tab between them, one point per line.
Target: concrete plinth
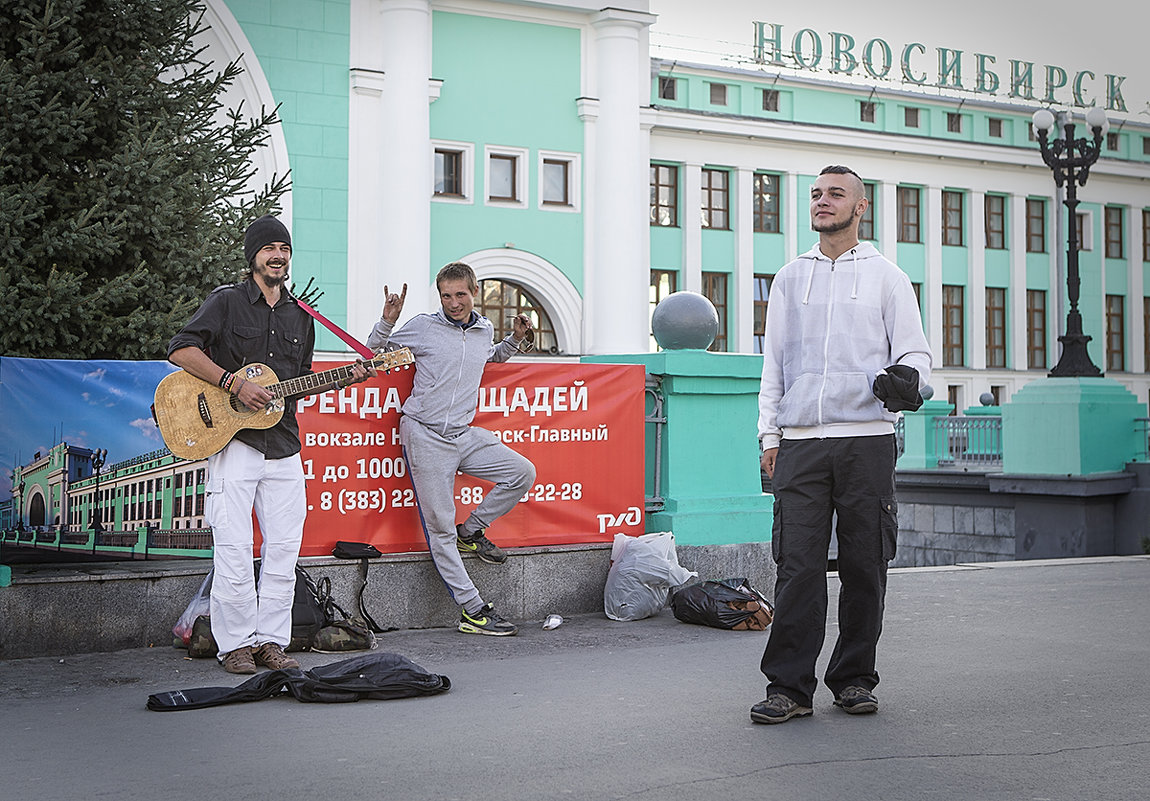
708	464
920	451
1070	427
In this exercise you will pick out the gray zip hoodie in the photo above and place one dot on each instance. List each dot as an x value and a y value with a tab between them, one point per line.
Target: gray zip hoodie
831	326
449	362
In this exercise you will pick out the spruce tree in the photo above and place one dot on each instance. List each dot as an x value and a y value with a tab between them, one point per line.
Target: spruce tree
123	180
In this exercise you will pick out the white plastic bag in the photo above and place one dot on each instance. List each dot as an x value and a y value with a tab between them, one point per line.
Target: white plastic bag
643	572
198	606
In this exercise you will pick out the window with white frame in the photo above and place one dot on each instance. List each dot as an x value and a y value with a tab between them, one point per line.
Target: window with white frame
505	175
559	181
452	168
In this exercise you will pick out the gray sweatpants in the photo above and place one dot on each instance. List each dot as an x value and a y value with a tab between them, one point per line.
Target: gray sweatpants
432	462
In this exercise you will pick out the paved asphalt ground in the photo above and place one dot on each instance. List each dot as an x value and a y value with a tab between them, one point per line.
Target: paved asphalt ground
1004	681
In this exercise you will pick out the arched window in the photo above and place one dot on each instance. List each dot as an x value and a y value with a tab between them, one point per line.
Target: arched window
499	301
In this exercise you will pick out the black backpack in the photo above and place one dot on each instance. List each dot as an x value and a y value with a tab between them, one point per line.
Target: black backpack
307	612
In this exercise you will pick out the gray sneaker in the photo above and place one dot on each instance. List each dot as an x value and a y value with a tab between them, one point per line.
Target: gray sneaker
479	545
777	708
485	621
857	700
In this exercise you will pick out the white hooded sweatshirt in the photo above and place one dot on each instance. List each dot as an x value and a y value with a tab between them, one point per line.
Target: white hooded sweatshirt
831	326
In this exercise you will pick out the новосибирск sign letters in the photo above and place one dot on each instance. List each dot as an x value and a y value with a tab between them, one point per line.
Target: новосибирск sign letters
841	53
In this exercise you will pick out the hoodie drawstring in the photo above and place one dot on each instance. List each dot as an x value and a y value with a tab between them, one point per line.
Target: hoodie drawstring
810	280
855	285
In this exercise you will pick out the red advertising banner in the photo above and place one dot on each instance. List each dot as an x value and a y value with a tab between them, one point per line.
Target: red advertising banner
580	424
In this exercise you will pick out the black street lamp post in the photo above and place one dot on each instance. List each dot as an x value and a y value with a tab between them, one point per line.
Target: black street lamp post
1071	159
98	459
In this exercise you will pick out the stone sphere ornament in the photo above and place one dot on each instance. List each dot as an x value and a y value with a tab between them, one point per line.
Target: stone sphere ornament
986	399
685	320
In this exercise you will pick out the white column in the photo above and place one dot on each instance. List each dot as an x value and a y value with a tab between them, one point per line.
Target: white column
1017	242
617	278
887	200
691	219
1135	324
389	160
791	215
976	280
742	301
931	228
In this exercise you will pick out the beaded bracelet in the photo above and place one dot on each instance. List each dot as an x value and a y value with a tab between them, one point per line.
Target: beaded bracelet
224	379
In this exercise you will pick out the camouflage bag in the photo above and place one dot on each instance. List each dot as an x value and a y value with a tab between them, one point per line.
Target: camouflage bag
339	631
201	643
350	634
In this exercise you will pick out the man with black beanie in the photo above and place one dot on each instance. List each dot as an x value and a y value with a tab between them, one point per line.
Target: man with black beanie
239	325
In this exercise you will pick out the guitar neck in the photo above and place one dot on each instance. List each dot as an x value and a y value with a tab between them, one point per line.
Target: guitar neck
314	383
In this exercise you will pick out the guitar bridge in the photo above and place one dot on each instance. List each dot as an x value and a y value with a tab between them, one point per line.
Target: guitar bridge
205	410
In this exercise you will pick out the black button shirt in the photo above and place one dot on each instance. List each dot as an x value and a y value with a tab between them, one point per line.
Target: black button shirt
236	327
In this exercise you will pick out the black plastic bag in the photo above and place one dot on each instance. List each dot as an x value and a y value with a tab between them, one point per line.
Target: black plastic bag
726	604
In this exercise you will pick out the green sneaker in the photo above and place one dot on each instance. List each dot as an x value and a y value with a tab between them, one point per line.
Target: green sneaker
479	545
485	621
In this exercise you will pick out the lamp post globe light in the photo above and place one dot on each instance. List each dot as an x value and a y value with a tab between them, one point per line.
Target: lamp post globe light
1071	159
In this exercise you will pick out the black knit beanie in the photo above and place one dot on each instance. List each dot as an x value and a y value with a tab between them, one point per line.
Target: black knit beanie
264	231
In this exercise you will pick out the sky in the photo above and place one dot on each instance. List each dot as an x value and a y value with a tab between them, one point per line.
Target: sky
92	404
1005	29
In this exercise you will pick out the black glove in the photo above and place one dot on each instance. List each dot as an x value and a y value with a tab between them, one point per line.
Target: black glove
897	388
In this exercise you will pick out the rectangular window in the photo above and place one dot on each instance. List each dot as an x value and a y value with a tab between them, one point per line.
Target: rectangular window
448	172
1035	225
766	202
995	221
555	182
718	94
1146	145
770	100
715	289
503	180
866	111
1115	333
664	195
953	122
866	222
1080	231
908	206
662	284
715	199
179	477
1036	329
952	319
1145	234
1114	249
1112	141
994	128
910	117
199	504
952	227
995	327
668	88
762	293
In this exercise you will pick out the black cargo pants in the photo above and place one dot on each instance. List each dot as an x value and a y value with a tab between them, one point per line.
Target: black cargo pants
853	476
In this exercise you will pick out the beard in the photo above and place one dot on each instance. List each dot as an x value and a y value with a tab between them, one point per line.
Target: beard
273	280
832	226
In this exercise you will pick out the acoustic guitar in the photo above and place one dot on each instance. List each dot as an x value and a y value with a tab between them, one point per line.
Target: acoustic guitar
198	419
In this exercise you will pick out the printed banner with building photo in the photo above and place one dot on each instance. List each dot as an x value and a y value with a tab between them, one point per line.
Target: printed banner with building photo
80	451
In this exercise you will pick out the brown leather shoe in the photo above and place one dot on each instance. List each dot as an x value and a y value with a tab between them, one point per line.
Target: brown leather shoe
239	661
271	655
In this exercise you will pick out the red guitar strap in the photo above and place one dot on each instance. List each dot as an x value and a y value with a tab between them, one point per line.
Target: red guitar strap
355	344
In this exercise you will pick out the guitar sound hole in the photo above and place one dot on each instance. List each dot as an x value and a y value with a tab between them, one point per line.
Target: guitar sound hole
239	407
